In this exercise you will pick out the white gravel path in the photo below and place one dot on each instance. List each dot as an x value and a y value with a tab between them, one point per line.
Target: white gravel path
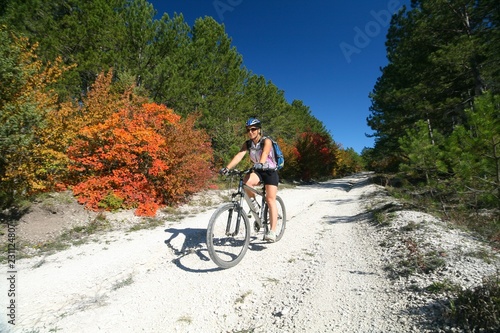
325	275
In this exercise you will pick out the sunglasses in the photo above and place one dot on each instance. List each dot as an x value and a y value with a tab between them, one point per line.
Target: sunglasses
253	129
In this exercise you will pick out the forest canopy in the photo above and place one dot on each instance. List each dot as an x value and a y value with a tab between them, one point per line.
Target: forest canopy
73	68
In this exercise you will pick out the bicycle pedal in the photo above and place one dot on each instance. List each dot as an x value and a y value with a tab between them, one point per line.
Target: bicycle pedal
256	227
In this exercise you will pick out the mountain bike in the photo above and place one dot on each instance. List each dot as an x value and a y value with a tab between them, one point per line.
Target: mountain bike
229	231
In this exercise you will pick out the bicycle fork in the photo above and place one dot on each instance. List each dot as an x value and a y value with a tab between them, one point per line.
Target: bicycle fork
230	219
238	207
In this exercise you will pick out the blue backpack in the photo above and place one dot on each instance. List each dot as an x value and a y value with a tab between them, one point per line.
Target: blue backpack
278	154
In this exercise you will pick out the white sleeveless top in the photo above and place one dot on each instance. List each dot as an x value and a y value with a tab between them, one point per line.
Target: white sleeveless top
256	152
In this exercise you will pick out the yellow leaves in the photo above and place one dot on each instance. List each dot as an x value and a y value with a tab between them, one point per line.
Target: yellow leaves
99	103
34	147
38	76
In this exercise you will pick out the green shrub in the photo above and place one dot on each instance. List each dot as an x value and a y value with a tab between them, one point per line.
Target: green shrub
478	309
111	202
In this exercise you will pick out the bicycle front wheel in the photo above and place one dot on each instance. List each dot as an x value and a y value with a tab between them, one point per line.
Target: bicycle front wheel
228	238
281	223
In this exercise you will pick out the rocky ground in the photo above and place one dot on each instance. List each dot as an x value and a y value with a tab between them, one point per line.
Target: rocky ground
351	260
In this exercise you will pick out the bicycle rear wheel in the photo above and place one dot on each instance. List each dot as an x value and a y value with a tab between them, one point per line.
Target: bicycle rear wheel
281	223
228	238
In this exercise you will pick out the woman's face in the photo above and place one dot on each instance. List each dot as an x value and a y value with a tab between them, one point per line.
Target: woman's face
253	132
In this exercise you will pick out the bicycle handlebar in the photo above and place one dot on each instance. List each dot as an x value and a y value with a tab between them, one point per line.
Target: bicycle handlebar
237	172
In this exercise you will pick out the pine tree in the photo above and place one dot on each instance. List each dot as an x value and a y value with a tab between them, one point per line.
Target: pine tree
474	152
438	63
422	152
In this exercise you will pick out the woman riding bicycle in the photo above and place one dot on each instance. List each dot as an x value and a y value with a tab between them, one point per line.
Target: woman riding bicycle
262	155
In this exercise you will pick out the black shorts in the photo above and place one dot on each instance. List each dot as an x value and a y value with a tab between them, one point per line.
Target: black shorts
268	177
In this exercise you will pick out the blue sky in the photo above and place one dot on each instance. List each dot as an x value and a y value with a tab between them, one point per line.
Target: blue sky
326	53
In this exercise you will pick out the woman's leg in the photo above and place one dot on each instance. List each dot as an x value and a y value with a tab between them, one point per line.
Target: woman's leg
251	180
271	192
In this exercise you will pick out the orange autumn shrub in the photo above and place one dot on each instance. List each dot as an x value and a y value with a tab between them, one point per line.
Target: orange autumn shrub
63	124
140	157
291	169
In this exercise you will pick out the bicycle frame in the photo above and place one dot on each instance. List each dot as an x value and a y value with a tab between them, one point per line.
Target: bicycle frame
262	193
241	194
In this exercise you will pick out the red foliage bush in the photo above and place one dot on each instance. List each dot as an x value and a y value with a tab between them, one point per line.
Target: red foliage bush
144	156
316	156
190	159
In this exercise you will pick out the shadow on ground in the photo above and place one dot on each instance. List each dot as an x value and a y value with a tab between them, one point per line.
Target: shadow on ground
345	184
194	243
348	219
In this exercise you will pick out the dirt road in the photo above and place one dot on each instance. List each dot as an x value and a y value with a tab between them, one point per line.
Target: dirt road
325	275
